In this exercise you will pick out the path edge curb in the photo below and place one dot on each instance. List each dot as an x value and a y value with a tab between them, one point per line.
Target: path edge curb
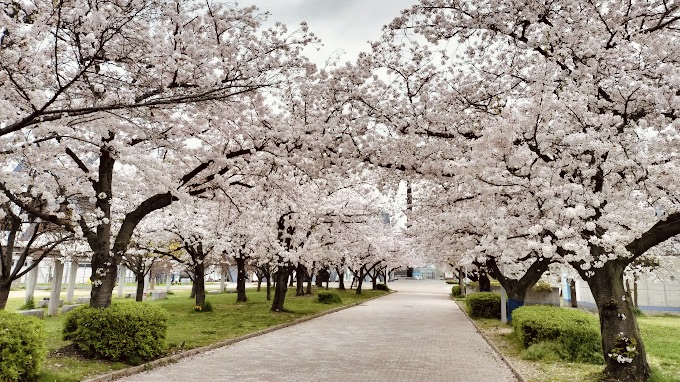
514	370
129	371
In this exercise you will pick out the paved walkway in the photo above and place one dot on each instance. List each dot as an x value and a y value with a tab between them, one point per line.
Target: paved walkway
417	334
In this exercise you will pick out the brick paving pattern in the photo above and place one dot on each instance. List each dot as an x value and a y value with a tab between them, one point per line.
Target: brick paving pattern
416	334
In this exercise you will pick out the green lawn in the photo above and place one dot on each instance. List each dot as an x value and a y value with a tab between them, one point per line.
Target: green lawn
661	336
188	328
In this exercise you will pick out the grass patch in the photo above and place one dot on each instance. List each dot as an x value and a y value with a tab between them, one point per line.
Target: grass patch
187	328
661	336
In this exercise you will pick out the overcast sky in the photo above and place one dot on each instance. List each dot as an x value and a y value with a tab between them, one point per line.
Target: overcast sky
344	25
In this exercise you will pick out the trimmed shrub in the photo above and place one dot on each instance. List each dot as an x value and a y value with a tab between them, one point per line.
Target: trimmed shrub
574	334
329	297
22	346
452	281
484	305
382	287
542	286
129	332
456	291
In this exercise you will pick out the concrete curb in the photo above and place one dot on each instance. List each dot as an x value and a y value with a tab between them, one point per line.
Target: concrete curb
112	376
517	374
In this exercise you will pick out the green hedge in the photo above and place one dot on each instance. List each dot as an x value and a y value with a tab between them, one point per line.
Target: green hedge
329	297
22	346
382	287
484	305
130	332
456	291
573	334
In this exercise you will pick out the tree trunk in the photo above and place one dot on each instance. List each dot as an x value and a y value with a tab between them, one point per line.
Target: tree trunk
360	281
104	261
199	283
241	279
300	276
309	285
103	278
139	295
281	276
341	279
624	351
193	289
4	295
484	282
374	280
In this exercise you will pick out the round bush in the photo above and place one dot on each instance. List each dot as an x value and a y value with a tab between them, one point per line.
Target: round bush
578	332
130	332
22	346
484	305
329	297
383	287
456	291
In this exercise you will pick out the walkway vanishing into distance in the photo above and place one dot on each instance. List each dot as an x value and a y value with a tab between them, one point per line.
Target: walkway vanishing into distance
416	334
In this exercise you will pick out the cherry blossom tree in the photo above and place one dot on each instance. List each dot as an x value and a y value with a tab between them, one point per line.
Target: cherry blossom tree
30	238
564	115
197	233
138	105
140	262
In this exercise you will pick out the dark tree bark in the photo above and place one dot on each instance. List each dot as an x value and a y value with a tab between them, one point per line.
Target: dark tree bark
4	295
192	295
139	295
199	283
260	275
105	258
374	274
241	279
360	279
484	282
319	279
618	324
309	285
265	271
300	278
281	276
138	266
323	276
341	279
517	288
